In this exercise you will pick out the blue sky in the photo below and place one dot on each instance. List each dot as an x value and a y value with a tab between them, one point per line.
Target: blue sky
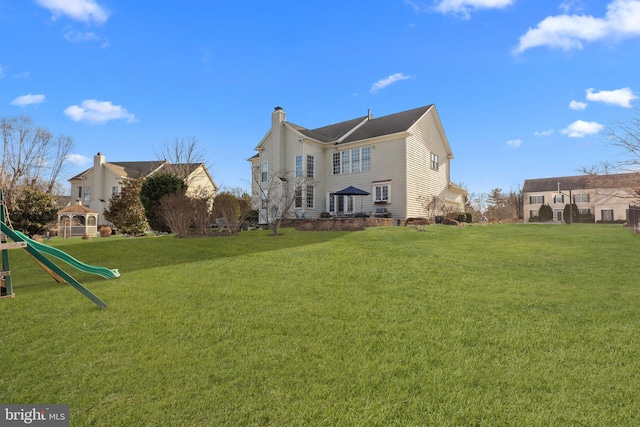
524	88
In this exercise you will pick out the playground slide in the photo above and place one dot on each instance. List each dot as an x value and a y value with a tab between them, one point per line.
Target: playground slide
92	269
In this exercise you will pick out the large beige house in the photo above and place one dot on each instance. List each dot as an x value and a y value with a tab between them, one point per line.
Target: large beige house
400	160
94	187
605	198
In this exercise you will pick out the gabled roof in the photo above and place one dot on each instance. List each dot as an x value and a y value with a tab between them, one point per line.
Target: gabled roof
331	133
582	182
133	170
364	127
388	125
180	168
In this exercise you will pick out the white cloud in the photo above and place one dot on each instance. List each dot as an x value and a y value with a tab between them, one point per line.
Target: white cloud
544	133
85	36
77	159
577	105
383	83
463	8
621	97
622	20
30	99
567	6
98	112
514	142
580	129
86	11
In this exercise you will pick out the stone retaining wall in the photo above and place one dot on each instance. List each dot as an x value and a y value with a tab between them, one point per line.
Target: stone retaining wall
336	224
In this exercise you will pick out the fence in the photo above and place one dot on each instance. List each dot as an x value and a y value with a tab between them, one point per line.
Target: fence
634	218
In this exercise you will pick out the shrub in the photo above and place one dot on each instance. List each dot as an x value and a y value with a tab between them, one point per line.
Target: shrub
545	213
32	210
568	211
325	215
450	221
175	211
125	211
153	189
201	213
105	231
586	218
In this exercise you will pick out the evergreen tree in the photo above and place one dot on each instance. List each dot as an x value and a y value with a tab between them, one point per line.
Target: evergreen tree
126	211
153	189
32	210
545	213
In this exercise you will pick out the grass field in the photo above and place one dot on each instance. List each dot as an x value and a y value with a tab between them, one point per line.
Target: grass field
483	325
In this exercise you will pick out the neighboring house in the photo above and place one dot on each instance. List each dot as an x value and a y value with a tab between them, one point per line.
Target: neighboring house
605	197
399	159
95	186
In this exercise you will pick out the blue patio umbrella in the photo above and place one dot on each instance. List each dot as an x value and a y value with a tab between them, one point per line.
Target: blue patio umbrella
352	191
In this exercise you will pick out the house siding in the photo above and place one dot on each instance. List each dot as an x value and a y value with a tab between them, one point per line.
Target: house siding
609	193
422	180
402	158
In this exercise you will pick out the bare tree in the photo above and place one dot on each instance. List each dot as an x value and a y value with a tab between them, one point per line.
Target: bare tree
277	195
31	156
477	205
626	135
182	153
176	212
431	206
201	207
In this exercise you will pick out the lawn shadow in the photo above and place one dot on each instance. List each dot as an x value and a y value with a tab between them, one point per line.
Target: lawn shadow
133	254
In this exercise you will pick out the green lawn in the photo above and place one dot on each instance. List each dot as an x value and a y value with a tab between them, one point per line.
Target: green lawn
482	325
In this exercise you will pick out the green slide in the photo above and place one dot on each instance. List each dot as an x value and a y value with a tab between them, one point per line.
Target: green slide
92	269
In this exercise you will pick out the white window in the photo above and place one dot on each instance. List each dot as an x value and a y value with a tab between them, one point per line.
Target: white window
80	192
311	166
381	192
558	198
355	160
298	166
114	190
536	200
606	214
581	198
336	163
264	172
298	198
434	162
352	161
87	194
533	213
366	158
310	198
345	162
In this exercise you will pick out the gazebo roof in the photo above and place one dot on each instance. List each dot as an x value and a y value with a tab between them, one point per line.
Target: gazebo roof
77	208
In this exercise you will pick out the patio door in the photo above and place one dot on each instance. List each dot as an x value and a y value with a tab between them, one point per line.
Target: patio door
339	203
558	215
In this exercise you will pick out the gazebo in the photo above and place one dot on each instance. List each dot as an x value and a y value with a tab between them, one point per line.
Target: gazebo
77	220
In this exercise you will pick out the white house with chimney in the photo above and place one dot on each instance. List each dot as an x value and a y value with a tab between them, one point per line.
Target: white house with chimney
399	159
94	187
